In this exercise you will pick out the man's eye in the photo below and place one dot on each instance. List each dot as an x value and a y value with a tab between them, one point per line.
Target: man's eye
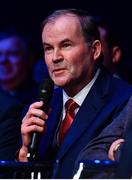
66	45
46	49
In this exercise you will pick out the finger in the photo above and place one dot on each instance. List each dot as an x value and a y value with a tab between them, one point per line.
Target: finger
32	128
37	104
35	113
39	113
113	148
34	121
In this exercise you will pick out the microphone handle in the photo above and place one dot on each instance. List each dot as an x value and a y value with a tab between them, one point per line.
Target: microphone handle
32	149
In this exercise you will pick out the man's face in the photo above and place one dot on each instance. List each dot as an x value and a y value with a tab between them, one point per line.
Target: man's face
67	55
12	59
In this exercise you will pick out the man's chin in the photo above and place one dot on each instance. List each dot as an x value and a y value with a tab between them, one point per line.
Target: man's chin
60	83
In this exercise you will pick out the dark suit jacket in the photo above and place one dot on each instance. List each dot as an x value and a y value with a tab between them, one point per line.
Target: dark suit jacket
105	100
98	148
124	170
10	123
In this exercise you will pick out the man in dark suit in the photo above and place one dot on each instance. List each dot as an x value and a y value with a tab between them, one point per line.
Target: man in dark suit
124	151
109	145
73	56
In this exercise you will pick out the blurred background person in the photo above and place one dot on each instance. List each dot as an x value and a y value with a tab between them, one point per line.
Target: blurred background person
117	58
16	64
111	46
10	124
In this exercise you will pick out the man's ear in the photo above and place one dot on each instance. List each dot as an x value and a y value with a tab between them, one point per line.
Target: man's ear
96	48
116	54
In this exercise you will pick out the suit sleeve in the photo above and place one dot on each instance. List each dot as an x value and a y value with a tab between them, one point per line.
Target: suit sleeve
99	146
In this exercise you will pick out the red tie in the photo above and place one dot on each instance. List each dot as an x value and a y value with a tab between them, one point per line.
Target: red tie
66	123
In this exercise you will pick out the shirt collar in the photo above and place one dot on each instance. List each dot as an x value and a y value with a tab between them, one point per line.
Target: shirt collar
79	97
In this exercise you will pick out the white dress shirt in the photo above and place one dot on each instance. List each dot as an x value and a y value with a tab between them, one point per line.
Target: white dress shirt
79	97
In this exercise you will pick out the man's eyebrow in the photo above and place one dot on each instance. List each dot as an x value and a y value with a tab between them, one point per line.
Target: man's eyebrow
61	42
46	44
65	40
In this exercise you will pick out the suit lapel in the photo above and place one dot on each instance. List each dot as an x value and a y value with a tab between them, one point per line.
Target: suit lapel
91	106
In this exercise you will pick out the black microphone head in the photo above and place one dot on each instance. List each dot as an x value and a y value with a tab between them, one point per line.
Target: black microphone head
46	92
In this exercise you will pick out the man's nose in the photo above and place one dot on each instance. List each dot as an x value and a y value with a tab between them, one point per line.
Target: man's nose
57	56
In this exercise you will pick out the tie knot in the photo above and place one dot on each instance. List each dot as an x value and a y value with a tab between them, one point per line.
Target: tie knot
71	105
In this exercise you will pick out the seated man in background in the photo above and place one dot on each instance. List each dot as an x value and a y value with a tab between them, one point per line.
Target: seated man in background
124	151
110	145
16	63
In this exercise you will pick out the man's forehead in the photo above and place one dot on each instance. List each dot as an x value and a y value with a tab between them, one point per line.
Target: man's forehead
69	17
63	24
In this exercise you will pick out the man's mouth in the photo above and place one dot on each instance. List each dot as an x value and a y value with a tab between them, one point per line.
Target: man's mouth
58	71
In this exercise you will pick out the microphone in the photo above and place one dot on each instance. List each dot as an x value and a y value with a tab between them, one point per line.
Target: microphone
45	95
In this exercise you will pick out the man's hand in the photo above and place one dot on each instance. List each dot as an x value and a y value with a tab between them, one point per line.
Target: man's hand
33	121
113	148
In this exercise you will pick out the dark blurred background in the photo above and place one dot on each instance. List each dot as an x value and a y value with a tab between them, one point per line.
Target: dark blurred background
28	15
